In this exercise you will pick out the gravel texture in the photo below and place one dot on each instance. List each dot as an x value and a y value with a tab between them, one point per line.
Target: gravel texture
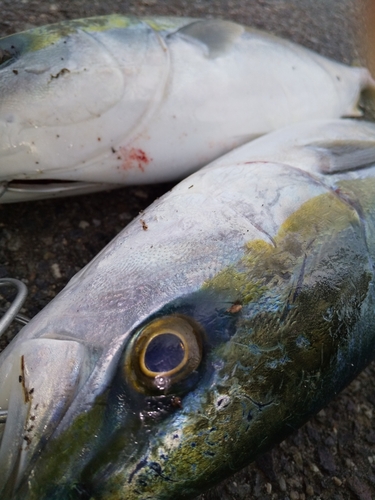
45	243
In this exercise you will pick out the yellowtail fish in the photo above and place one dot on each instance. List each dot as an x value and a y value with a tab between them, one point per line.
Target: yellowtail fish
219	320
100	102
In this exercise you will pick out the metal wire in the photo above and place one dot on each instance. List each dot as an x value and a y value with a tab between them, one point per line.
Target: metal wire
19	318
12	312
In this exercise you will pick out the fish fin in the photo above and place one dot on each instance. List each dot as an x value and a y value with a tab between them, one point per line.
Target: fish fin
341	156
215	35
367	100
355	110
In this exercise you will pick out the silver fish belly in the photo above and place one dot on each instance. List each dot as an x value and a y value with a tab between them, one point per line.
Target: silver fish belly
254	274
106	101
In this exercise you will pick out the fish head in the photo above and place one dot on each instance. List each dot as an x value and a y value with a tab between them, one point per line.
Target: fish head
52	118
45	87
208	330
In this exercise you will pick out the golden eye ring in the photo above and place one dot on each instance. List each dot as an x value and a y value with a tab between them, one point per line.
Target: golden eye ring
143	355
163	353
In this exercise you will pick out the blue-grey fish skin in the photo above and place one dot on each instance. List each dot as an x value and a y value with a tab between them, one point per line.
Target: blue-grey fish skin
271	265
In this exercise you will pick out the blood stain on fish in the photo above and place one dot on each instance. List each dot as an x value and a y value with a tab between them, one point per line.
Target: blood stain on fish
134	158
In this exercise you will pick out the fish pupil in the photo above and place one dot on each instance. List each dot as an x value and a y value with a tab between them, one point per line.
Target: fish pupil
164	353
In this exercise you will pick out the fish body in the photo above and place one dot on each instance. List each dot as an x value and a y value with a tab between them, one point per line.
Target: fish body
217	322
105	101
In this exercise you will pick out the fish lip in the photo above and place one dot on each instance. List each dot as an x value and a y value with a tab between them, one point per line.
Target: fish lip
39	381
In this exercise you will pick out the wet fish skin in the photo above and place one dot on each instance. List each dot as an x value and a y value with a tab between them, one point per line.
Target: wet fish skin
273	260
103	100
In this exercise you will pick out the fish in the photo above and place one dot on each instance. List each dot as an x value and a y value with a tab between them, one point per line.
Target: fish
97	103
217	322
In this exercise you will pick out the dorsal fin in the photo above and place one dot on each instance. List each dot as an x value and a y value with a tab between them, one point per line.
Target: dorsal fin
215	35
341	156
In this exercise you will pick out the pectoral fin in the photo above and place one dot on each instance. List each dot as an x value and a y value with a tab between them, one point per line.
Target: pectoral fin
341	156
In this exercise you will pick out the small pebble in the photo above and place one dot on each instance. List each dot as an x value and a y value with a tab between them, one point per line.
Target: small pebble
321	416
47	240
282	484
350	463
84	224
314	468
309	490
356	385
14	244
298	459
337	481
141	194
55	268
125	216
368	413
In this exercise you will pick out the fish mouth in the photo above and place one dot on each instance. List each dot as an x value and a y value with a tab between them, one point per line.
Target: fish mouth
38	382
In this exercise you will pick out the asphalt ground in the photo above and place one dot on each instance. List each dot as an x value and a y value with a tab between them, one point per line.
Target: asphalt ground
45	243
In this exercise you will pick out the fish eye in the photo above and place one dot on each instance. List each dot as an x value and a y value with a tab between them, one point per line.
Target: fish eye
163	354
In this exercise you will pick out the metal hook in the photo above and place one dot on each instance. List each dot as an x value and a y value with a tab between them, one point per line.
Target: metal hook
12	313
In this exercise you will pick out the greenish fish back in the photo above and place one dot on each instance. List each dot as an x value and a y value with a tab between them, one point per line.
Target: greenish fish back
44	36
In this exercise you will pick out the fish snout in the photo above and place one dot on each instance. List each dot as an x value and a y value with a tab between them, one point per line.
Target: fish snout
38	382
